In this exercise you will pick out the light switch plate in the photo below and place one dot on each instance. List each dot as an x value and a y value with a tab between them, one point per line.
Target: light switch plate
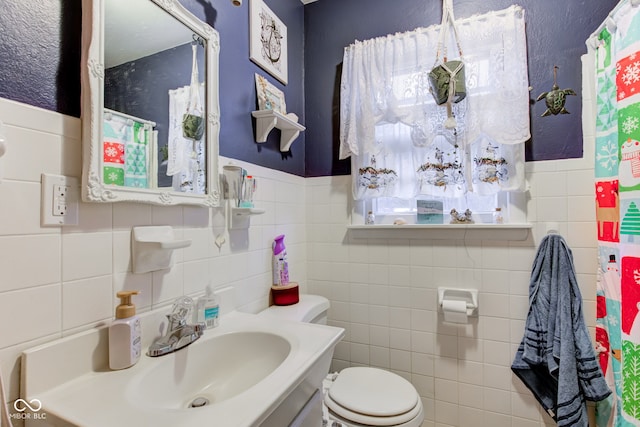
59	200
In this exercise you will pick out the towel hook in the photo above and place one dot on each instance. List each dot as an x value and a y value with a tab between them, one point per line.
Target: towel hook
552	227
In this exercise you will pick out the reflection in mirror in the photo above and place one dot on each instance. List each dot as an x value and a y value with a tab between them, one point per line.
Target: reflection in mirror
153	130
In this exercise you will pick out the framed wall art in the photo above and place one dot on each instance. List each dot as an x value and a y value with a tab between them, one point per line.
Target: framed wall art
268	40
269	96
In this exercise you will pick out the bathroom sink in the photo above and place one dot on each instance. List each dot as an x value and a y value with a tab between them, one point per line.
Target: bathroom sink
210	371
251	371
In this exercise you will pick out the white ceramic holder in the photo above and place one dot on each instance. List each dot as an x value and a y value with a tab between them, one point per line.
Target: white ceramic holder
470	296
152	248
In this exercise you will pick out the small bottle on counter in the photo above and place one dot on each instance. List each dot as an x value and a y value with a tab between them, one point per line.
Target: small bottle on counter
497	216
371	218
208	309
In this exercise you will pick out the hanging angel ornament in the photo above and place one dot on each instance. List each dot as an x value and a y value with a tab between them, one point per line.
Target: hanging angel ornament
555	98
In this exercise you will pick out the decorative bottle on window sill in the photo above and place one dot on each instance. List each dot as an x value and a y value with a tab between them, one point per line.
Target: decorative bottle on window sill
497	216
371	218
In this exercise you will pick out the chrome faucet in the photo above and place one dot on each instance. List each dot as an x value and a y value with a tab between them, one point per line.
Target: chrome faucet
179	334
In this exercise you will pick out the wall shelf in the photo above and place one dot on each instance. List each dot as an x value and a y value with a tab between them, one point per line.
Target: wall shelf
442	231
266	120
241	217
247	211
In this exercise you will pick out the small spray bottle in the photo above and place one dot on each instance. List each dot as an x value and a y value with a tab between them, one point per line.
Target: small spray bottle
280	265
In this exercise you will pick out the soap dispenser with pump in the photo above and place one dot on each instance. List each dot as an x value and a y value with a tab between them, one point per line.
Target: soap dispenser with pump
125	334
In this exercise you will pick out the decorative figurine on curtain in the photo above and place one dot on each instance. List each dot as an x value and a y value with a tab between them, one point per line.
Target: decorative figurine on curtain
378	179
447	78
555	98
490	166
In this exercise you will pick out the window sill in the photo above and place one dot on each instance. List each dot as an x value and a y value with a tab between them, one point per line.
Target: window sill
442	231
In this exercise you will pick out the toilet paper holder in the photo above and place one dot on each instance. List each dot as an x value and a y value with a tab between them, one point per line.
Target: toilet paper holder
470	296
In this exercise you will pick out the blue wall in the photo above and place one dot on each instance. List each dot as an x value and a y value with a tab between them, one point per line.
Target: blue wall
40	65
40	53
237	84
556	34
40	56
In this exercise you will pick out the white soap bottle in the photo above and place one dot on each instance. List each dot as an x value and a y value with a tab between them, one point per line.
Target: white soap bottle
125	334
208	309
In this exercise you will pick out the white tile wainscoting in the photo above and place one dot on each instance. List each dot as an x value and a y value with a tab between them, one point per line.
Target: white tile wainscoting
58	281
383	291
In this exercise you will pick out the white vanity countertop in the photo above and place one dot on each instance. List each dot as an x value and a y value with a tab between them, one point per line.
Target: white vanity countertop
100	397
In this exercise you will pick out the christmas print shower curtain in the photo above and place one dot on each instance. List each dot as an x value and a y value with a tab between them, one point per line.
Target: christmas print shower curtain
617	191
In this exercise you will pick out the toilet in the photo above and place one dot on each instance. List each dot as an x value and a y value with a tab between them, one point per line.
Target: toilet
358	396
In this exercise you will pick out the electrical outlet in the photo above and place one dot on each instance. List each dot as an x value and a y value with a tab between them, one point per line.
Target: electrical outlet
60	199
59	204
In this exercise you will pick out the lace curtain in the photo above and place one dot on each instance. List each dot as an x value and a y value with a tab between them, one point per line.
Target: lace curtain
394	132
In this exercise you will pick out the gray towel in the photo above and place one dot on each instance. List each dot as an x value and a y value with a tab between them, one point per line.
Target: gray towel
556	359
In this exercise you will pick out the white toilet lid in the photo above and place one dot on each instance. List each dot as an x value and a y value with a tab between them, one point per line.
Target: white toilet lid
373	396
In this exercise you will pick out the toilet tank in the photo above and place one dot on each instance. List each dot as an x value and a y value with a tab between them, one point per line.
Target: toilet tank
310	309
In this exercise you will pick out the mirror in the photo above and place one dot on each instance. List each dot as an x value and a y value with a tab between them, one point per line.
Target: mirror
150	108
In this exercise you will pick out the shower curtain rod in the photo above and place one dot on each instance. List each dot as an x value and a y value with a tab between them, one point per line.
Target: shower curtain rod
609	22
127	116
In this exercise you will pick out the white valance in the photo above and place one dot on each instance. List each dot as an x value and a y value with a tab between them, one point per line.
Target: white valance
385	83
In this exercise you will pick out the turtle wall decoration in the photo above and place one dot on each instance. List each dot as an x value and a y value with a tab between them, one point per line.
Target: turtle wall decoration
555	98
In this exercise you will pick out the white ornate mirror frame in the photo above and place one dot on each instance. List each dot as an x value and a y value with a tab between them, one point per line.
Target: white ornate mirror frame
93	76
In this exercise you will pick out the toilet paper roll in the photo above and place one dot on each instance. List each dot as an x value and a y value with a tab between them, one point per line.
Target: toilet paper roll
454	311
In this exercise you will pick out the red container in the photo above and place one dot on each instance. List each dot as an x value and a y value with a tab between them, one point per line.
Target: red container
285	295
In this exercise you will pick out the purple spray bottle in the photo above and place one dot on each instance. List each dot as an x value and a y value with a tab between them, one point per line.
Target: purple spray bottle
280	265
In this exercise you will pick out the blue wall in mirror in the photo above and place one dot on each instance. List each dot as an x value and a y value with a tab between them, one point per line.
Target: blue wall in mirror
141	87
40	56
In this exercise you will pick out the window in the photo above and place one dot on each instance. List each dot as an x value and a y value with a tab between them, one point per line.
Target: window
403	146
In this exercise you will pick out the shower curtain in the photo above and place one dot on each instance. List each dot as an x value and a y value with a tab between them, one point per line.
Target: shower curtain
615	83
125	149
